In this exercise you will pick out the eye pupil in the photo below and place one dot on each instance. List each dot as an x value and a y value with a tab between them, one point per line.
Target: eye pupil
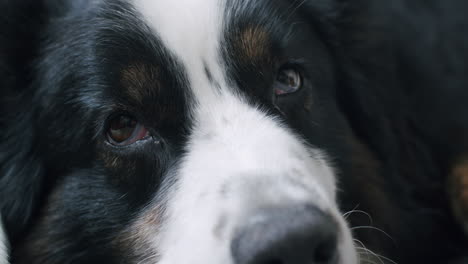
121	128
288	77
289	80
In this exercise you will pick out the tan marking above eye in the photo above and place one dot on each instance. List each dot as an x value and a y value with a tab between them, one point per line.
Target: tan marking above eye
460	172
458	191
255	43
140	80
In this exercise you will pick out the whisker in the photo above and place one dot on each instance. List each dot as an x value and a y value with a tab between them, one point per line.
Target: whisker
385	258
370	253
362	247
355	208
373	228
347	214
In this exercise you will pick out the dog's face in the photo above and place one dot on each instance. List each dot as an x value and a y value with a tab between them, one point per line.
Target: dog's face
189	132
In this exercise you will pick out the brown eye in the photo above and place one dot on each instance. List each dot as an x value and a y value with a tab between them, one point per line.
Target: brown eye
125	130
288	80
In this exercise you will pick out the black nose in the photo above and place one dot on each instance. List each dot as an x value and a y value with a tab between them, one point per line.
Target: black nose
293	235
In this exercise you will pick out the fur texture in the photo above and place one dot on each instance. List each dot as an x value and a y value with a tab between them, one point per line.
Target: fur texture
3	246
377	129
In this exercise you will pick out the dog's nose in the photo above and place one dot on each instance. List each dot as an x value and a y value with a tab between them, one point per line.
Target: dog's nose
293	235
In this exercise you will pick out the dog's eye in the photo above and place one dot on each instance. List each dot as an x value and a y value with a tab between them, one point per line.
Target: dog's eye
288	80
124	130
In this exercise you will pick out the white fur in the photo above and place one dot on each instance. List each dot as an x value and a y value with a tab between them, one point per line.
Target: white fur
3	245
233	145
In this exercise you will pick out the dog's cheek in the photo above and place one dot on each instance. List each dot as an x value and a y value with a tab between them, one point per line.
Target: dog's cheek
138	176
364	185
81	218
139	240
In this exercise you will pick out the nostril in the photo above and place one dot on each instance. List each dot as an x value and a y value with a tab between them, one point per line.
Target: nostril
296	235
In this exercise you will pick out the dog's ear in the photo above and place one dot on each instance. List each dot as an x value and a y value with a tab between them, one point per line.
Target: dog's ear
21	169
21	174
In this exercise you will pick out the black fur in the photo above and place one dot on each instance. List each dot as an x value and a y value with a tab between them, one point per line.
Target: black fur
387	80
21	170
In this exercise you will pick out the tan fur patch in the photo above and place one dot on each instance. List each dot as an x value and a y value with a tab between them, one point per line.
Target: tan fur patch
139	237
365	174
458	190
255	43
140	81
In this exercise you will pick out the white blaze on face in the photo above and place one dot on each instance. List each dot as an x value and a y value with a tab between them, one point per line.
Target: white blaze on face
3	245
238	159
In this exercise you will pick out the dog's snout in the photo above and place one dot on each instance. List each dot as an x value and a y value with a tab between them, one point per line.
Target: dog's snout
294	235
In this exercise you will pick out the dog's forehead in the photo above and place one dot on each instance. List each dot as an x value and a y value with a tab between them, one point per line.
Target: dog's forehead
197	21
191	30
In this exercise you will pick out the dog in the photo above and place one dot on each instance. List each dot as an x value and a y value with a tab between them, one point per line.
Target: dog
3	244
233	131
